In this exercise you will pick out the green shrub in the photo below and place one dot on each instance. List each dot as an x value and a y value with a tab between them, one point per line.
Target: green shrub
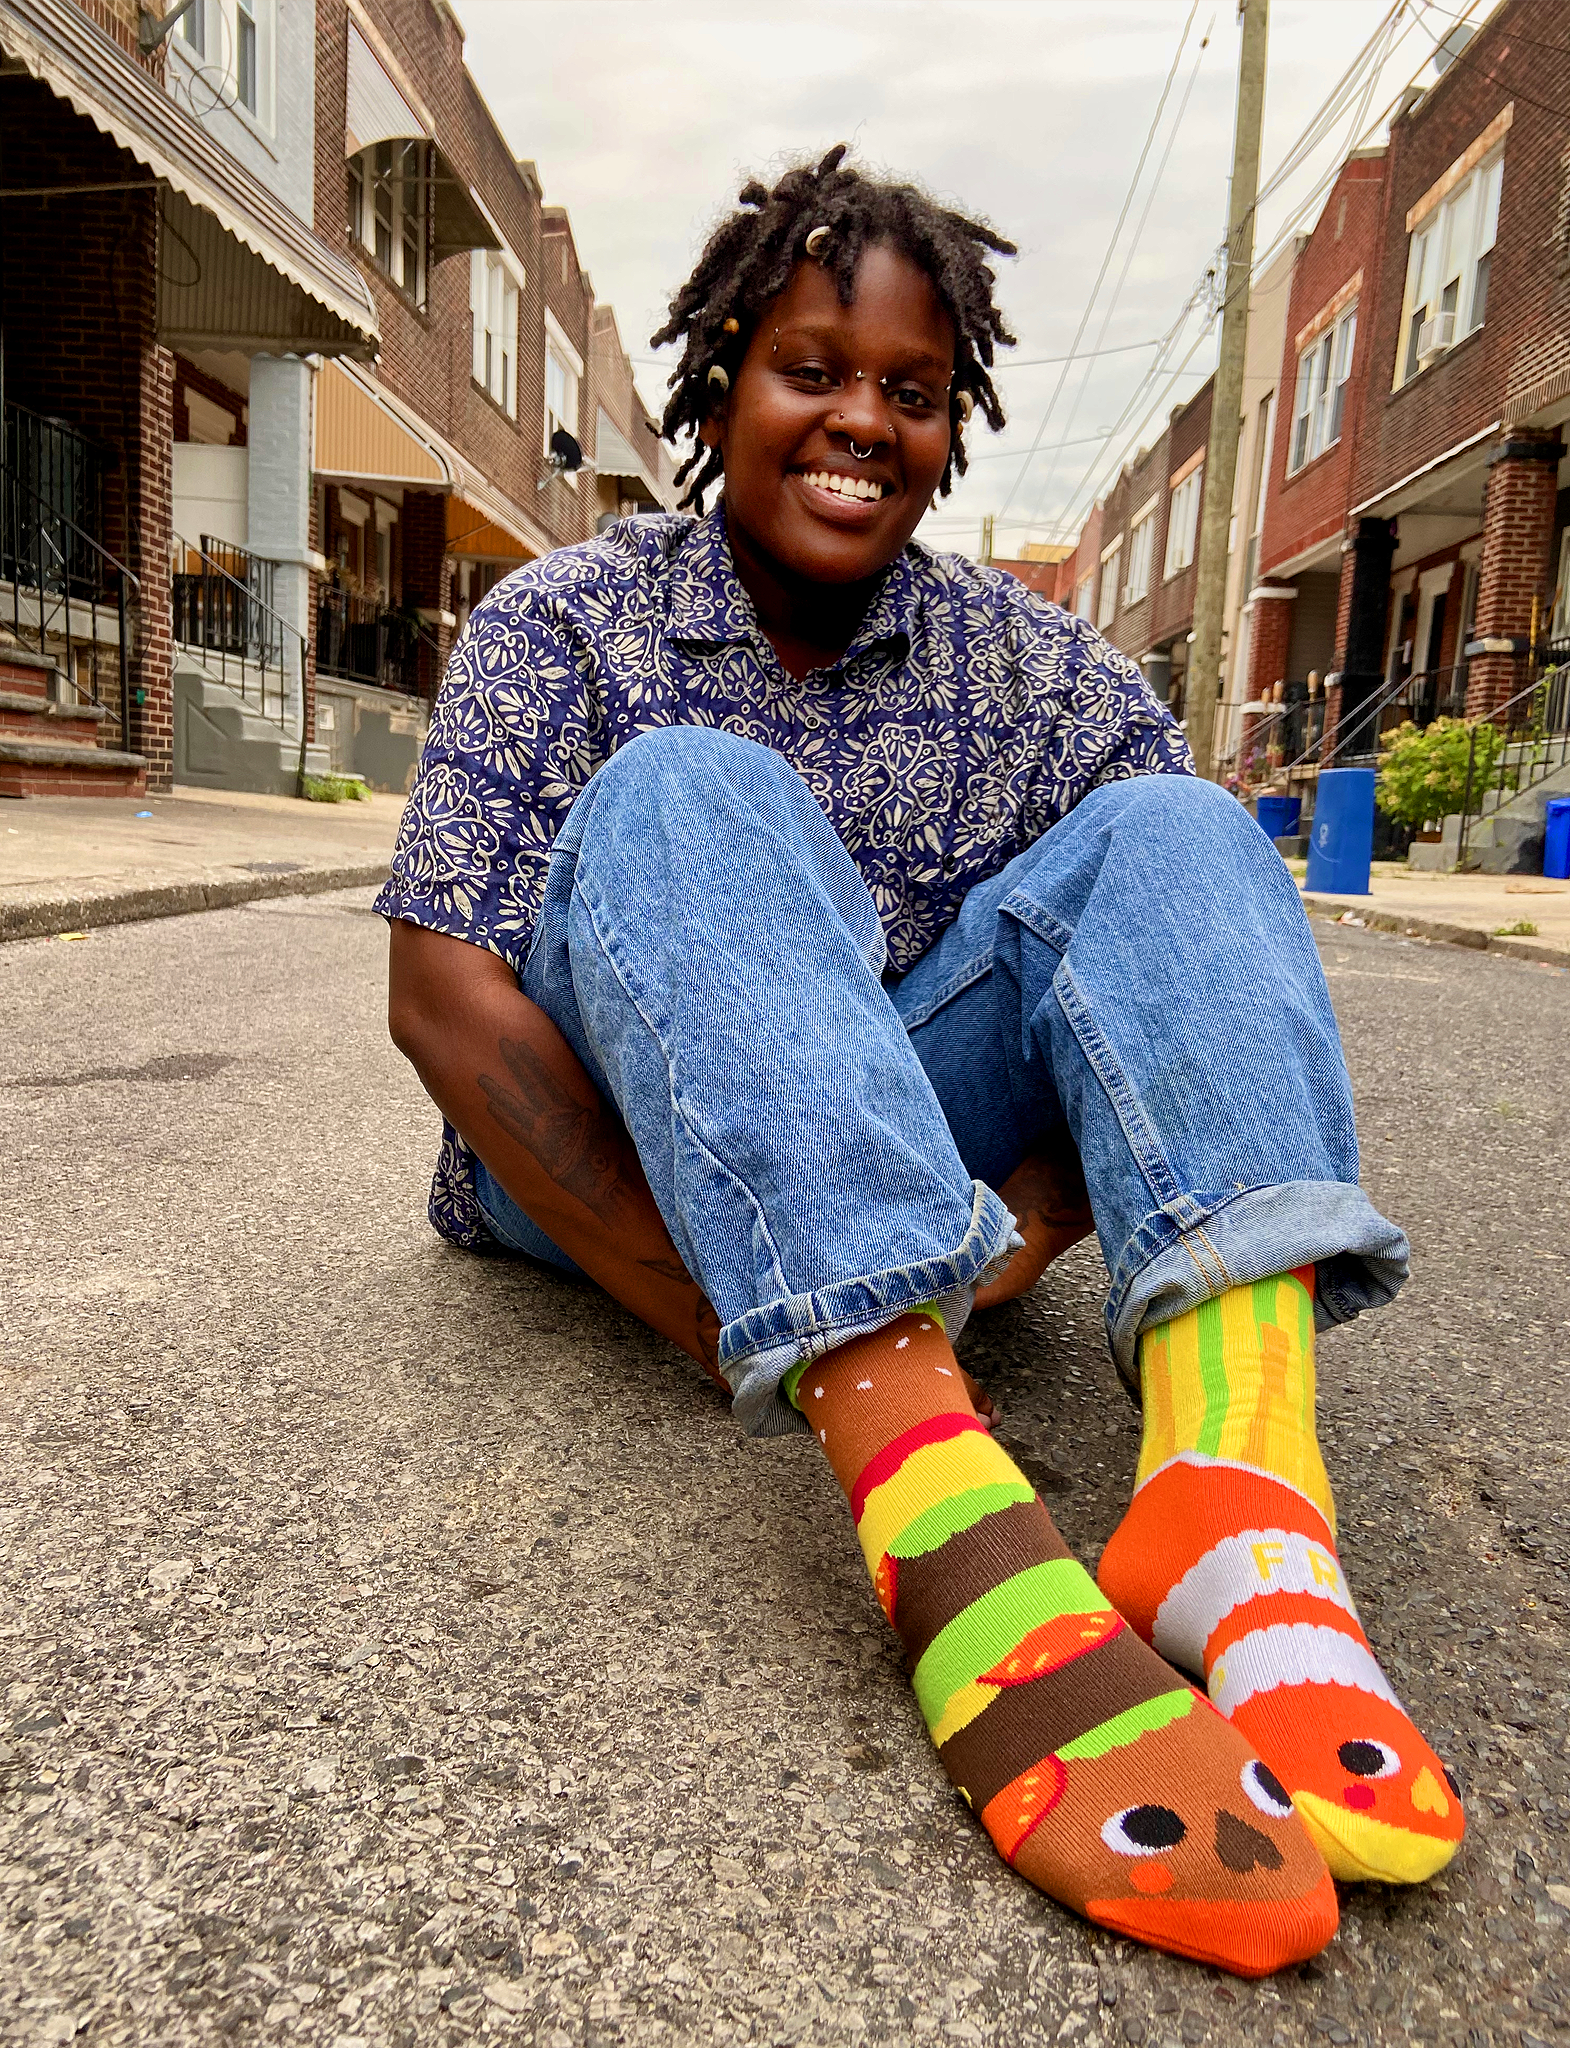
335	789
1422	775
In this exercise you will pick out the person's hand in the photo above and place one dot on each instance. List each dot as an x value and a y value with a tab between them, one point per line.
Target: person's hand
1047	1195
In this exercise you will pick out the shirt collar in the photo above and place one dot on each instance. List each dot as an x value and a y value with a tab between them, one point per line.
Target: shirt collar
709	607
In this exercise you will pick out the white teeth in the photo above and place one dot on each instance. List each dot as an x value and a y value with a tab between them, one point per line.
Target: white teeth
846	486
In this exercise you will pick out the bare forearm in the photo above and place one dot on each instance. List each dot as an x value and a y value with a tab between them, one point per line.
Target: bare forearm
506	1079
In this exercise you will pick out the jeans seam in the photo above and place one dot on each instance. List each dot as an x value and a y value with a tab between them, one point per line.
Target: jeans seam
1099	1057
1050	930
974	970
760	1220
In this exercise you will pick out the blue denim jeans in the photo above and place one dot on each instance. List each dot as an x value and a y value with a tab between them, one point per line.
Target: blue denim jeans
823	1140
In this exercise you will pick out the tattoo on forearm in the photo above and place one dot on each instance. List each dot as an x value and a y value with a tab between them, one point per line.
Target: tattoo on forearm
669	1269
578	1146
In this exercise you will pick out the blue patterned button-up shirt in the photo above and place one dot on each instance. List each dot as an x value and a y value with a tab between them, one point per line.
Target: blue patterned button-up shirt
966	717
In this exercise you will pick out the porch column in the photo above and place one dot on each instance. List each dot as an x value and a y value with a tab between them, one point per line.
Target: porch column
1269	642
427	577
1364	606
278	504
1518	532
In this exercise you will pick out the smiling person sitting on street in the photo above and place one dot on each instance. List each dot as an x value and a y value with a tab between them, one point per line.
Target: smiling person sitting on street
781	910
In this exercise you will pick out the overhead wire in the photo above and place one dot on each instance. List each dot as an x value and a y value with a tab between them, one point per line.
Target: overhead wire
1106	261
1129	254
1338	97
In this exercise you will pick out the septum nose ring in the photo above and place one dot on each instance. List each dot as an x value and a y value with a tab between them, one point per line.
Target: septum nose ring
863	454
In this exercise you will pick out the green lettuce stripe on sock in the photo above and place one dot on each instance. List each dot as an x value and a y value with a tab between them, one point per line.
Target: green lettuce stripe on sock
997	1623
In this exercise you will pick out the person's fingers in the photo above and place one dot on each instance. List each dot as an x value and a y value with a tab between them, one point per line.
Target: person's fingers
986	1408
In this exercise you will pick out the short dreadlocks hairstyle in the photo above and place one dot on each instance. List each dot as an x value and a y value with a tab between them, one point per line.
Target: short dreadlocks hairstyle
749	259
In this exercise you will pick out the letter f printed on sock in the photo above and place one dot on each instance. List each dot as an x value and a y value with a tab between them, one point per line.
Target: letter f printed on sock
1226	1562
1099	1774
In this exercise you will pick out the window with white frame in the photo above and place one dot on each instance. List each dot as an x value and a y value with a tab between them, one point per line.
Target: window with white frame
1141	543
1324	370
1084	596
1183	522
388	197
193	28
1448	262
493	303
1559	630
563	369
1106	609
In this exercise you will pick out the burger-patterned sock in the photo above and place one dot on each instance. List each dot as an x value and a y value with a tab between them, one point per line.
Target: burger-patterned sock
1226	1562
1098	1773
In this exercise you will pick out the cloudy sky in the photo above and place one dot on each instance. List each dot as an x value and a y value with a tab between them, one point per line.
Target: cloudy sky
644	115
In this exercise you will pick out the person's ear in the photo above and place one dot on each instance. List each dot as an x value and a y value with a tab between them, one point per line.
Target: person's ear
718	387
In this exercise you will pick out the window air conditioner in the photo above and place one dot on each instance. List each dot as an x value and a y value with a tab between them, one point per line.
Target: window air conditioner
1435	335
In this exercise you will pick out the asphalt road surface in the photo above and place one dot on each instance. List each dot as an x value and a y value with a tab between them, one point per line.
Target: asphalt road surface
403	1647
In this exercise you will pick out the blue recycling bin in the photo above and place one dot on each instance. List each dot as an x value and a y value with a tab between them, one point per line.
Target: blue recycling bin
1279	816
1556	839
1341	843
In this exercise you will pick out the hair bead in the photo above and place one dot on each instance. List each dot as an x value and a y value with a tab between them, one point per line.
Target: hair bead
964	405
817	240
719	378
730	326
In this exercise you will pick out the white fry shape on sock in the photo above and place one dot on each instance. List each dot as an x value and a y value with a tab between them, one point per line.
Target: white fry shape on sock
1254	1563
1295	1653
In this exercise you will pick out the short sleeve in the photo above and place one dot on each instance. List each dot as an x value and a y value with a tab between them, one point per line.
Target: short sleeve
509	748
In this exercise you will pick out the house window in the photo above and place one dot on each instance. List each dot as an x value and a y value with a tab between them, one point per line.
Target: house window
1448	263
561	391
1106	610
245	54
193	28
388	189
1084	596
1559	630
1141	543
493	303
1324	370
1183	522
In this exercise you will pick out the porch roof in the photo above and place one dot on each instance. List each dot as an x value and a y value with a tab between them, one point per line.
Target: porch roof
55	42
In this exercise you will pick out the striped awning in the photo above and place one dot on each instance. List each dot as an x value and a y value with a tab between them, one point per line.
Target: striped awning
227	215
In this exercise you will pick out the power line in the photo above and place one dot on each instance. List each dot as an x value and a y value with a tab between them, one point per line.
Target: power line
1106	261
1318	122
1129	253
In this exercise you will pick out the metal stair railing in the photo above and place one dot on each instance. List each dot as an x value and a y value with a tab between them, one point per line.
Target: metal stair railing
1535	743
220	600
70	580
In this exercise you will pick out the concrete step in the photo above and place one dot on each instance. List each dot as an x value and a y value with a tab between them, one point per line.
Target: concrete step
220	743
24	673
68	768
28	717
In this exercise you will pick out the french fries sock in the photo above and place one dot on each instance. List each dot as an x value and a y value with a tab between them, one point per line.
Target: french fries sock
1226	1562
1099	1774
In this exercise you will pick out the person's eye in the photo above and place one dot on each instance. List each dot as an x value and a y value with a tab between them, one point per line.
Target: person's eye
811	376
911	398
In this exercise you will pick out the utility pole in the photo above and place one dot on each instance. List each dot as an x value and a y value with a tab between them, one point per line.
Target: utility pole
1226	407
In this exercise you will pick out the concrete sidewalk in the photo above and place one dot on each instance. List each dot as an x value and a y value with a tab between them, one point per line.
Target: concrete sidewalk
1461	910
72	863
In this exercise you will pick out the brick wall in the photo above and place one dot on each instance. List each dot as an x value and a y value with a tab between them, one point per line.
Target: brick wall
1518	567
78	302
1520	58
1188	433
426	351
1304	509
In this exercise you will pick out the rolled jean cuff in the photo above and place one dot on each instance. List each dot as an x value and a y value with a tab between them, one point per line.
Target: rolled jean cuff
1193	1251
759	1348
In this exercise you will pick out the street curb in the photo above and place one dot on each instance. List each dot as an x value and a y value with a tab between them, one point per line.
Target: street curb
1432	928
174	899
